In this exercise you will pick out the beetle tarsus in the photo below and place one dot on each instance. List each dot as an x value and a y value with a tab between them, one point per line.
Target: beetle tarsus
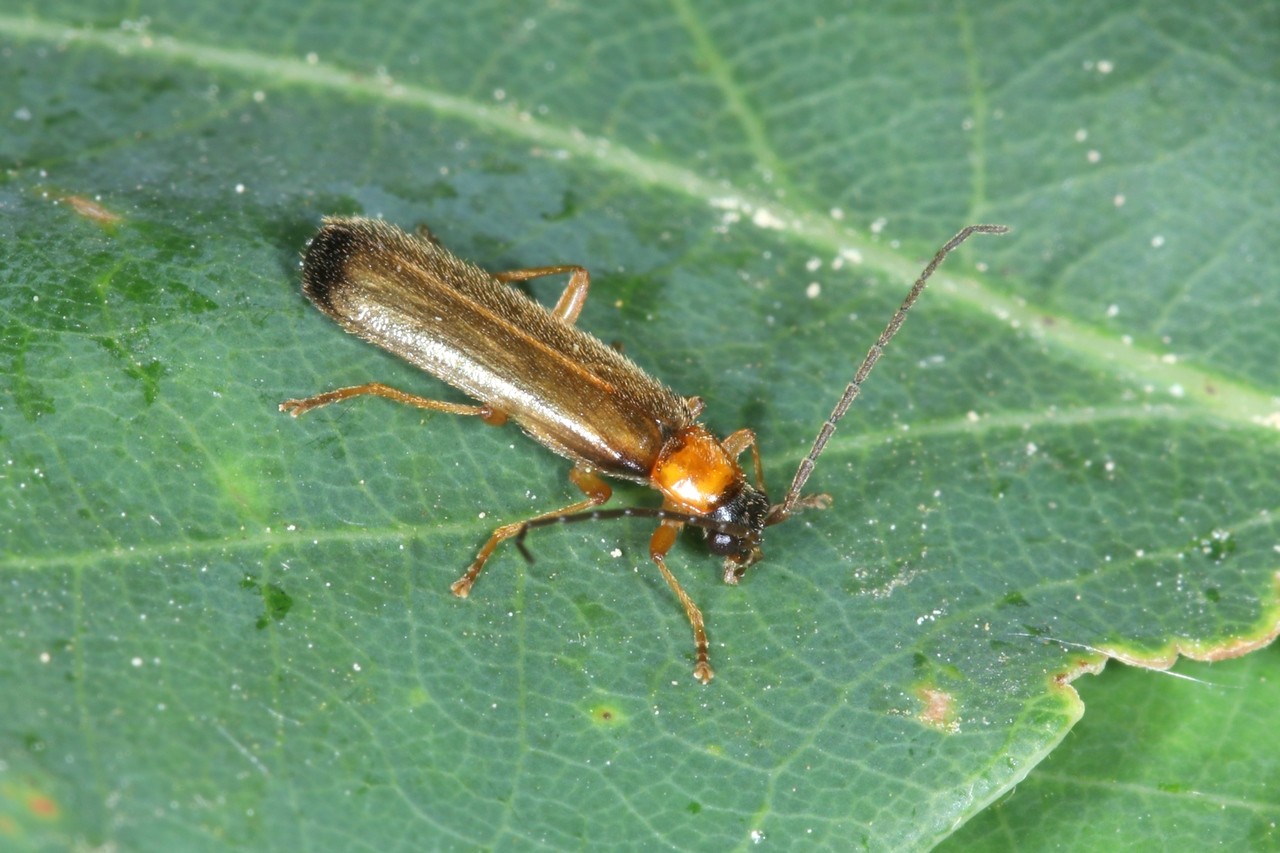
703	672
462	586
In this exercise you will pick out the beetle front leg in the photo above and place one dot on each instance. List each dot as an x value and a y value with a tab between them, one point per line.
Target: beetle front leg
660	543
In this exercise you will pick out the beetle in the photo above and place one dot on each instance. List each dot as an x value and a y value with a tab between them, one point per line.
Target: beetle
568	390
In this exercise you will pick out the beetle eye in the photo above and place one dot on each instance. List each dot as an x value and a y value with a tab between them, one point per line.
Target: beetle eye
723	545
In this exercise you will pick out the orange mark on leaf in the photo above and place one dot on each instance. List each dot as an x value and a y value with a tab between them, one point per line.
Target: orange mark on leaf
90	209
939	711
43	806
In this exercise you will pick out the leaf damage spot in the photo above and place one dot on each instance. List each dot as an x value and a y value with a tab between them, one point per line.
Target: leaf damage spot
93	211
939	709
43	806
607	715
1163	658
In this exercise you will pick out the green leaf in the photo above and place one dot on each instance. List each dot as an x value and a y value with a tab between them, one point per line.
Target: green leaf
225	628
1156	762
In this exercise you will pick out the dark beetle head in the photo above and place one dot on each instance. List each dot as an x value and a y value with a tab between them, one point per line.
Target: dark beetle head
747	511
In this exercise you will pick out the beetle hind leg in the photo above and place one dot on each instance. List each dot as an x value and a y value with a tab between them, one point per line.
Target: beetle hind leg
488	414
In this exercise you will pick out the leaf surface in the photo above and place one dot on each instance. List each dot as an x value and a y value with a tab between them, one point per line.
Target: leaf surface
222	627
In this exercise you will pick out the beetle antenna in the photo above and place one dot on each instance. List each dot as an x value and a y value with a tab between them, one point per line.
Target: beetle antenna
740	531
780	512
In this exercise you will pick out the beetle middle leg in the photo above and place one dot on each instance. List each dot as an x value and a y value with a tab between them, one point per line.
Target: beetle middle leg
597	492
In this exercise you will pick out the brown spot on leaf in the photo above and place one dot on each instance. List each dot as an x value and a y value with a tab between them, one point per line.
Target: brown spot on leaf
939	711
606	715
90	209
43	806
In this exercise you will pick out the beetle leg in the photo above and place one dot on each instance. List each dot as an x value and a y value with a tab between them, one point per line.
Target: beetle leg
659	544
597	492
571	300
488	414
736	442
570	303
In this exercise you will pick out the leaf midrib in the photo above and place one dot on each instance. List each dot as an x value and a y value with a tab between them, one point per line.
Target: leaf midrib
1130	363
